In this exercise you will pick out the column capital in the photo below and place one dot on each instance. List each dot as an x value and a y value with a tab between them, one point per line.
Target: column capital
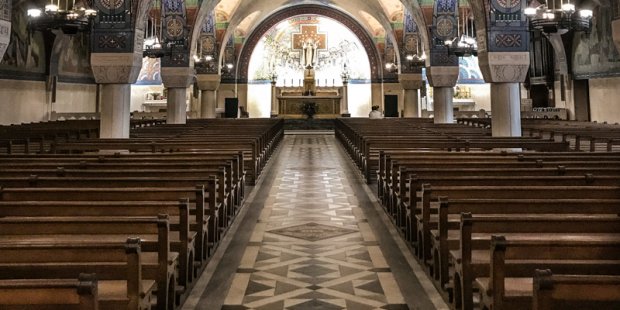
208	81
116	68
442	76
504	67
177	77
410	81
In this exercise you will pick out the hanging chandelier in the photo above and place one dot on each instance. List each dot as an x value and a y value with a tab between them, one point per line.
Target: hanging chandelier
66	16
463	45
559	20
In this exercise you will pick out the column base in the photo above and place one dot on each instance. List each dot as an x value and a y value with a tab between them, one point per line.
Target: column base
274	115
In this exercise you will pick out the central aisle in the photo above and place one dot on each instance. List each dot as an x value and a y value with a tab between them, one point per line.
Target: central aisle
317	243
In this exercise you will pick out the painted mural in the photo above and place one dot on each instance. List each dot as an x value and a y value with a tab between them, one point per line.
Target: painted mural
595	54
74	60
150	74
25	53
469	71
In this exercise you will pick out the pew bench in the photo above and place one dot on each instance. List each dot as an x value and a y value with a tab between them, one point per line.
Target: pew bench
513	264
158	262
50	294
575	292
118	267
447	236
471	260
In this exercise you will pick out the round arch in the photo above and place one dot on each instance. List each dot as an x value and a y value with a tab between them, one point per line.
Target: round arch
345	19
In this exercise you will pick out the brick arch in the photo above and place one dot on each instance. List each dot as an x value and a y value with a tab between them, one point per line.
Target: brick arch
345	19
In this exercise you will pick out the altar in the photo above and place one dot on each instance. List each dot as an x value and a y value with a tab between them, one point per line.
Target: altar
291	99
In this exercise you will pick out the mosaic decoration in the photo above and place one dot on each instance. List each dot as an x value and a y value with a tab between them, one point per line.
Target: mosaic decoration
208	46
150	74
507	26
175	33
469	71
444	27
112	30
508	40
411	43
310	9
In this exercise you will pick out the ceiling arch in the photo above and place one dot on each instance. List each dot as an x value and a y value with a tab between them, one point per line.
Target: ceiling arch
288	12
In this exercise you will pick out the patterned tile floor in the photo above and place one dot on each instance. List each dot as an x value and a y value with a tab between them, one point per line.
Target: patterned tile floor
312	246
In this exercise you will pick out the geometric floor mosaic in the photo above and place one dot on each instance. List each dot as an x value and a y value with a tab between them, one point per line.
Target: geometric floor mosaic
312	247
312	231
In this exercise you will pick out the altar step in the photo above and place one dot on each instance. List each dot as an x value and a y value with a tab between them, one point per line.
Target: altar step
309	124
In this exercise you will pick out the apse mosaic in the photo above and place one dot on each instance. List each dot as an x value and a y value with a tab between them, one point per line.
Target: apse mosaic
337	50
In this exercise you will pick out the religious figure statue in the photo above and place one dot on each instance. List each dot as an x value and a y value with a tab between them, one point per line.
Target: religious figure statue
309	53
309	56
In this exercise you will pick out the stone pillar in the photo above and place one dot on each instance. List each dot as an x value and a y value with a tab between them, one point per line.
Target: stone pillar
442	105
115	100
5	26
275	107
411	83
344	107
176	80
116	72
505	70
443	79
208	85
506	109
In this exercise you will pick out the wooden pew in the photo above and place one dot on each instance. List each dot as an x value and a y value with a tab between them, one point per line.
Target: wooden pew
200	197
432	193
575	292
50	294
118	268
513	263
446	237
159	263
178	212
471	260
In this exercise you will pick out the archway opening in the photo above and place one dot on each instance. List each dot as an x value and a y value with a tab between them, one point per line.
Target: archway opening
278	55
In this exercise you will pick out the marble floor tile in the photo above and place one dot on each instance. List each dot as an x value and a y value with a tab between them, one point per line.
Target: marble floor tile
314	244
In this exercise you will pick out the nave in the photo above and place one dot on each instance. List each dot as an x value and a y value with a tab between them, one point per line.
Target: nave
313	237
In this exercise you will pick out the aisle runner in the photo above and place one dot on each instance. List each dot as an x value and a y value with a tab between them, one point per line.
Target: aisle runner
312	248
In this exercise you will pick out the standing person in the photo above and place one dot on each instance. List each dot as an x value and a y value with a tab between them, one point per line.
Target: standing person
375	113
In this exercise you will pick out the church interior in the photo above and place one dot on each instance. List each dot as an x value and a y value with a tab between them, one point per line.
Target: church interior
309	154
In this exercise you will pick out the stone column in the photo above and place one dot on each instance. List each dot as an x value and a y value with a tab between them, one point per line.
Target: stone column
5	27
115	111
275	107
443	79
208	85
506	109
344	107
442	105
116	72
411	83
176	80
505	70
